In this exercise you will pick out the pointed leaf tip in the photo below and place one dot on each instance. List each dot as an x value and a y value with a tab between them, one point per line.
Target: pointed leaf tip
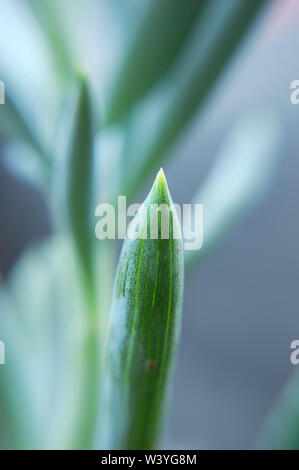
161	174
81	73
160	192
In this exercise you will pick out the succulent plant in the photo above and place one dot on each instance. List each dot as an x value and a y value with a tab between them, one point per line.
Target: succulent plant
77	377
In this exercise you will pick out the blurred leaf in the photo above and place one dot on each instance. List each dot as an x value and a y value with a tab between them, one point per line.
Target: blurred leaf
145	324
151	52
281	429
43	329
73	173
32	93
73	180
241	175
16	420
23	162
47	333
14	125
221	28
51	17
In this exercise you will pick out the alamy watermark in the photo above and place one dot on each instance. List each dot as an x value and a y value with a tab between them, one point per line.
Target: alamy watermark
2	353
294	357
186	222
294	97
2	93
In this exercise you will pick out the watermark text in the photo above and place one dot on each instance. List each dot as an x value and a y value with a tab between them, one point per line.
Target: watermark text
294	357
151	222
2	93
2	353
294	97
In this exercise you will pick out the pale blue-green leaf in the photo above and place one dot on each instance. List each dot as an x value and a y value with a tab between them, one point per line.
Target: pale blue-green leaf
29	79
15	126
47	336
52	17
151	51
73	174
241	175
16	417
23	162
220	30
281	428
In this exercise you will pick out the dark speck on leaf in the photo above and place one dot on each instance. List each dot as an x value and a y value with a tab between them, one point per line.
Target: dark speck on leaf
150	364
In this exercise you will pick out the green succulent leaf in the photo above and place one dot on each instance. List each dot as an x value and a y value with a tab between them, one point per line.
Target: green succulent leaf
44	330
14	125
50	14
221	27
73	174
281	428
31	91
22	161
151	52
16	417
145	324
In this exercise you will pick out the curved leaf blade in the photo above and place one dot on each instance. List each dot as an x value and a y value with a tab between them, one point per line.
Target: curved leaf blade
221	28
154	48
281	428
49	15
14	125
74	173
241	176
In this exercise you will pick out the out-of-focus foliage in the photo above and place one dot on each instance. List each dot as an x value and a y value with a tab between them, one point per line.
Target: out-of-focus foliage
217	34
51	15
281	429
73	174
169	61
242	174
44	331
21	159
152	50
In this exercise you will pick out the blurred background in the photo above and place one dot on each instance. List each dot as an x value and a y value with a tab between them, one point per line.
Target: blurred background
241	300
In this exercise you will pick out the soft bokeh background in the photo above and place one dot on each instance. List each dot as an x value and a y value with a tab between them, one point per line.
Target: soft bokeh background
241	304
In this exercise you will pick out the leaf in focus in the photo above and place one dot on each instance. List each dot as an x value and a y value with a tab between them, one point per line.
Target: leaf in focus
145	325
